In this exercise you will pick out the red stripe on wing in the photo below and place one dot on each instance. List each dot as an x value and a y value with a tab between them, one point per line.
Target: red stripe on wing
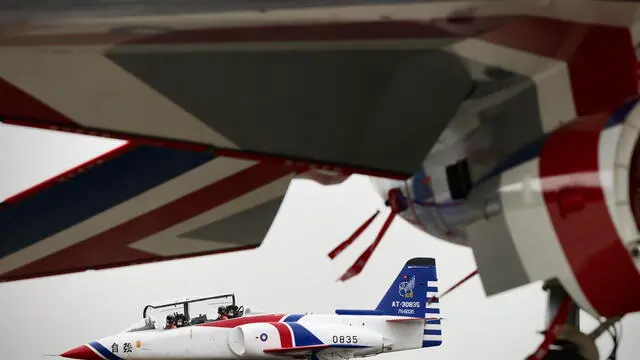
111	246
17	103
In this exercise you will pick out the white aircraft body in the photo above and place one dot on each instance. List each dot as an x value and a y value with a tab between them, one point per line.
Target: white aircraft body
406	318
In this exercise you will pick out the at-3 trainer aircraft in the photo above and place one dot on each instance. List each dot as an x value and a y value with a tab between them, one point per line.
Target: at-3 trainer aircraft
407	317
511	127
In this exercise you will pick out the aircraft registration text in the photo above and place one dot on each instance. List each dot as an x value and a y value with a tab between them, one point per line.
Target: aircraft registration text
406	304
344	339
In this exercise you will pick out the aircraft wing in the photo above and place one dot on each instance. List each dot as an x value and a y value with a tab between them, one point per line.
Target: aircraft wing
137	204
221	110
334	94
215	126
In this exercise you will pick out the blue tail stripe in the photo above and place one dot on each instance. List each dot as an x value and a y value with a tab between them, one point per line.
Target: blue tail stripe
432	311
430	343
104	351
432	289
302	336
293	317
432	332
433	322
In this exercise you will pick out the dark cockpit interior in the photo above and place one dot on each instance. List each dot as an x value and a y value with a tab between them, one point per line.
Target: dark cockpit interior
183	313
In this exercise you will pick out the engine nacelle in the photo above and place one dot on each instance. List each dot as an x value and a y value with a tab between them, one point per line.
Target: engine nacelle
251	340
565	206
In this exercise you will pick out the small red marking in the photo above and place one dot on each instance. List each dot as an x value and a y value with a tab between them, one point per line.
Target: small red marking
231	323
601	263
97	161
82	353
286	341
111	246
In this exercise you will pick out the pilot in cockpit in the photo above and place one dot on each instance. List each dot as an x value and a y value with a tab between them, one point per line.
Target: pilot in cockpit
222	313
181	320
171	322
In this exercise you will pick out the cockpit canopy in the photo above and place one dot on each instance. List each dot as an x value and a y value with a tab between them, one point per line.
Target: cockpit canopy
188	312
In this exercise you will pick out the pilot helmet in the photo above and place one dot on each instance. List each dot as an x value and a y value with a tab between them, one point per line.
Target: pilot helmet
221	310
170	318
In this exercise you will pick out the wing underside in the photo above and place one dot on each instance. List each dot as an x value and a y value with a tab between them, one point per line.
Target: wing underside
138	204
211	128
220	111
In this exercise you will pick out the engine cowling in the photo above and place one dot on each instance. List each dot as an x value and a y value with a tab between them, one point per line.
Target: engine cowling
566	207
251	340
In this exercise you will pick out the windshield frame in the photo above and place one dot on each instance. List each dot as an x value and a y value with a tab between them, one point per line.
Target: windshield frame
186	303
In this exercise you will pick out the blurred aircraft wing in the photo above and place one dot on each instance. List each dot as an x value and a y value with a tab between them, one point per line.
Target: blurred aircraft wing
214	133
330	93
137	204
221	111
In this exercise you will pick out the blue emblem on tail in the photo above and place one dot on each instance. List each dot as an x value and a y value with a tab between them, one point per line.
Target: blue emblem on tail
406	288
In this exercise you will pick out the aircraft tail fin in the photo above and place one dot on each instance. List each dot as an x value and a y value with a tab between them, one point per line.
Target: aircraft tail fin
414	293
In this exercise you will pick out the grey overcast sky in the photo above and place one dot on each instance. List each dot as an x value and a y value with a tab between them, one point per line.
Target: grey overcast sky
290	272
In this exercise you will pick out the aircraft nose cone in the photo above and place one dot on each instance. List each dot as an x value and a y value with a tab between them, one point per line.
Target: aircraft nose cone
81	352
